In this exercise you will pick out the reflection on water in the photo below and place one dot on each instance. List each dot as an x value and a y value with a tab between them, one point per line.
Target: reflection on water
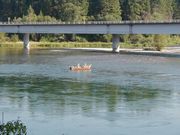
121	95
82	95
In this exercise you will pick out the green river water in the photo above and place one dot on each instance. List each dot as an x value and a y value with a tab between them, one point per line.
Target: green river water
122	95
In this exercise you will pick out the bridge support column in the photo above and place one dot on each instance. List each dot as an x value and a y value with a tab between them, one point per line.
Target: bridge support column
26	41
115	43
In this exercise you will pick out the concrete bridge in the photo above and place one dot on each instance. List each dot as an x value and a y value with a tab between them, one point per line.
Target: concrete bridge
101	27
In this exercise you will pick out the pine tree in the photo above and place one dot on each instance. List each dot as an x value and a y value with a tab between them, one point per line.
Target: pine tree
176	13
83	5
162	9
94	9
31	16
138	10
71	12
110	10
125	9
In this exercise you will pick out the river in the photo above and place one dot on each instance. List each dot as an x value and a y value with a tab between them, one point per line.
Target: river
122	95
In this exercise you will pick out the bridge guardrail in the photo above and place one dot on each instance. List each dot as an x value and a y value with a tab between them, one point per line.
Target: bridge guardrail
93	22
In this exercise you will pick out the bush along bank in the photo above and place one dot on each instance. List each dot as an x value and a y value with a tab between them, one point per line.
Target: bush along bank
145	42
57	45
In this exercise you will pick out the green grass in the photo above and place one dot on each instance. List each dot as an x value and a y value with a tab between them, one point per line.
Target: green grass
57	45
67	45
78	45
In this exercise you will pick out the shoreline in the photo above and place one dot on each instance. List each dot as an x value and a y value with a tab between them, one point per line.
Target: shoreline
94	47
167	52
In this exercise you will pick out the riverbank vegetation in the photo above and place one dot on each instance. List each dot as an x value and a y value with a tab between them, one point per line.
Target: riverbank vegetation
57	45
91	10
149	42
13	128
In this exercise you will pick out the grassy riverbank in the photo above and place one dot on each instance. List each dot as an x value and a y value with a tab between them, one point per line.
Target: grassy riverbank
57	45
67	45
11	44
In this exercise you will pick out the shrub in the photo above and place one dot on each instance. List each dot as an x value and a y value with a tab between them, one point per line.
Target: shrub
3	37
14	38
159	42
135	39
14	128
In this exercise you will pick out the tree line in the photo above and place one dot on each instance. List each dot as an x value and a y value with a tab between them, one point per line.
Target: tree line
91	10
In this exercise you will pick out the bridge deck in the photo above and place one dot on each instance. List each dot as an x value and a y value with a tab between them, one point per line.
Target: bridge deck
96	27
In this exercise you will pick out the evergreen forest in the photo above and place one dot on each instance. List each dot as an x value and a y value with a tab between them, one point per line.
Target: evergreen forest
93	10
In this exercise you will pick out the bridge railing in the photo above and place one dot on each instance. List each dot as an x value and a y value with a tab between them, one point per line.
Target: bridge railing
92	22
